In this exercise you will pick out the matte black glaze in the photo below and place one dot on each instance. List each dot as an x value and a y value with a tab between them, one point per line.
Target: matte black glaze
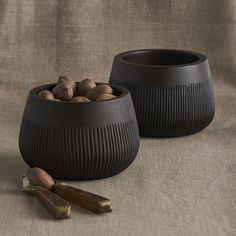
171	90
79	141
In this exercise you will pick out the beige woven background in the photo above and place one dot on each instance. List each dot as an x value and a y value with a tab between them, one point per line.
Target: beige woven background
181	186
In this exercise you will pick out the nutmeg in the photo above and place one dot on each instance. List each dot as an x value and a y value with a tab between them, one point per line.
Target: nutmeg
63	91
80	99
68	81
105	96
64	79
85	85
94	93
38	176
46	95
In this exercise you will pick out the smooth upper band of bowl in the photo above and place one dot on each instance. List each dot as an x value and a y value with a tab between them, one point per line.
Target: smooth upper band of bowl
159	66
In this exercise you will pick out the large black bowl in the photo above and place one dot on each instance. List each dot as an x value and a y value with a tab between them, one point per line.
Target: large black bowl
79	141
171	90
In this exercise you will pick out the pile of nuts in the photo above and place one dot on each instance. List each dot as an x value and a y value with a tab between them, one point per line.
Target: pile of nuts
87	90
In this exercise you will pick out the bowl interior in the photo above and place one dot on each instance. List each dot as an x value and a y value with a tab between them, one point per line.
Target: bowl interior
160	57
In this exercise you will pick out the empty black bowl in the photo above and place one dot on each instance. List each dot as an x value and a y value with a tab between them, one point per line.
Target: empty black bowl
171	90
79	141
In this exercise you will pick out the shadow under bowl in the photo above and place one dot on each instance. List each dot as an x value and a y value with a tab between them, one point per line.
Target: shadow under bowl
79	141
171	90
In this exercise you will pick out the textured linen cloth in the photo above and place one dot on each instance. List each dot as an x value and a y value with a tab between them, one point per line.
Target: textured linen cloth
178	186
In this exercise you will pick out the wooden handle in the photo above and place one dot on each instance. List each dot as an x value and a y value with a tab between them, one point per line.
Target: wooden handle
87	200
57	206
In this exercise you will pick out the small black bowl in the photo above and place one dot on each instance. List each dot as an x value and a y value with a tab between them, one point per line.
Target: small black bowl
79	141
171	90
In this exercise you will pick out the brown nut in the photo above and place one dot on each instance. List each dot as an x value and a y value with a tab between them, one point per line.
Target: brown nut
93	94
64	79
46	95
85	85
80	99
105	96
68	81
38	176
63	91
57	100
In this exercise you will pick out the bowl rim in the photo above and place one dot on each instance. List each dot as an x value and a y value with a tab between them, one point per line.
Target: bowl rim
120	57
34	92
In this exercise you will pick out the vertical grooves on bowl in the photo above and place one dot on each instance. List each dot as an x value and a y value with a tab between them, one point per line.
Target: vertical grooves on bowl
117	145
79	153
98	161
113	146
104	158
171	110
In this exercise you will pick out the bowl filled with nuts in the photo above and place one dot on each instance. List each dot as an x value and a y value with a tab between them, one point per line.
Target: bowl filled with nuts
79	131
171	90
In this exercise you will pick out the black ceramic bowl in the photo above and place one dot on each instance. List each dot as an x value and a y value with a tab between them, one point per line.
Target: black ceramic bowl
171	90
79	141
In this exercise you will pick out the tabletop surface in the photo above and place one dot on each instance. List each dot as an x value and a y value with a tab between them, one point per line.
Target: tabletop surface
175	185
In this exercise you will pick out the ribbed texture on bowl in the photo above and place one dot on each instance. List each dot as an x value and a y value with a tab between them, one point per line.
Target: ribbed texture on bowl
171	110
79	153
